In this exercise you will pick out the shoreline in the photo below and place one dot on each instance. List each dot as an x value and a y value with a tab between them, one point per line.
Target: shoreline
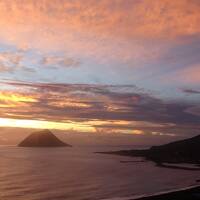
186	193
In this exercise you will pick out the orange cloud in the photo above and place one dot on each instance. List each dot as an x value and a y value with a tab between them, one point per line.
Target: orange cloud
130	18
39	124
92	108
12	97
69	103
97	28
15	100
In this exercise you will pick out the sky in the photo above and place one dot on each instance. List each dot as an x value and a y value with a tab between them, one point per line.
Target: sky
90	66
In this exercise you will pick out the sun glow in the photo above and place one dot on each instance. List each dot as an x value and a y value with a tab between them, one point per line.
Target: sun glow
23	123
68	103
10	97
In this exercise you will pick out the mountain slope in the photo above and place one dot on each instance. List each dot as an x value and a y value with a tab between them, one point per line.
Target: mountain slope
183	151
43	138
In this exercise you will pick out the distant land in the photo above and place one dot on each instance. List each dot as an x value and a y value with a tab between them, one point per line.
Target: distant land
44	138
182	151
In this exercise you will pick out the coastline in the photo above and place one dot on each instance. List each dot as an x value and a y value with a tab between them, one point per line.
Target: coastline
186	193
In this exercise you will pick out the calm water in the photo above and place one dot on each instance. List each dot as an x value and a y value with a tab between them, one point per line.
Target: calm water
79	174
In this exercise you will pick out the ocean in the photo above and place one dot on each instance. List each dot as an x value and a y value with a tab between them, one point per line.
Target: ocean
80	174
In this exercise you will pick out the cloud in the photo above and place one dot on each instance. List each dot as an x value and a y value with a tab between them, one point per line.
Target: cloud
58	61
191	91
12	100
194	110
101	107
150	43
11	62
10	58
132	41
111	30
159	18
4	68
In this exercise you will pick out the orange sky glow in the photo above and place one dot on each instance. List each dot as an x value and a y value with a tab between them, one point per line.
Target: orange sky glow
100	66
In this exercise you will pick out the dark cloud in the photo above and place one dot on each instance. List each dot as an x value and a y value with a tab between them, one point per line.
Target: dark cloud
191	91
83	103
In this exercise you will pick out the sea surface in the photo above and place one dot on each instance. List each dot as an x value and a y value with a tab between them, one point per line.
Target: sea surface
80	174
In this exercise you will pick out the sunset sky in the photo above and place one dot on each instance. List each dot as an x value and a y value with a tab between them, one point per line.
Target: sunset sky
101	66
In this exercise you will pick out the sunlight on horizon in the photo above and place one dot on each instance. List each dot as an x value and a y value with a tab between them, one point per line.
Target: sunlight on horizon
89	126
38	124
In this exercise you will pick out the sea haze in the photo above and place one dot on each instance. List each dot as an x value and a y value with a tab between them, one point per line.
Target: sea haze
77	173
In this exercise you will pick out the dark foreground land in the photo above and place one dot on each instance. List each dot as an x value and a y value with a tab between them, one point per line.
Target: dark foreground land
178	152
186	194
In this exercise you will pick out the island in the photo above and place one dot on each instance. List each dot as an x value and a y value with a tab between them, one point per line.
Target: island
44	138
182	151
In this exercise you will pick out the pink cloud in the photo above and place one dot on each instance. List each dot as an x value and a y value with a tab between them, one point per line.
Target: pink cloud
98	28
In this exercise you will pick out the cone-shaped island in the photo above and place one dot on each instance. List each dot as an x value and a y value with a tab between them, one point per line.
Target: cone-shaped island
43	138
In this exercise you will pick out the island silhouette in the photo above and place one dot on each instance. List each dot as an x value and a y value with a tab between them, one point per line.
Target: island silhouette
44	138
182	151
